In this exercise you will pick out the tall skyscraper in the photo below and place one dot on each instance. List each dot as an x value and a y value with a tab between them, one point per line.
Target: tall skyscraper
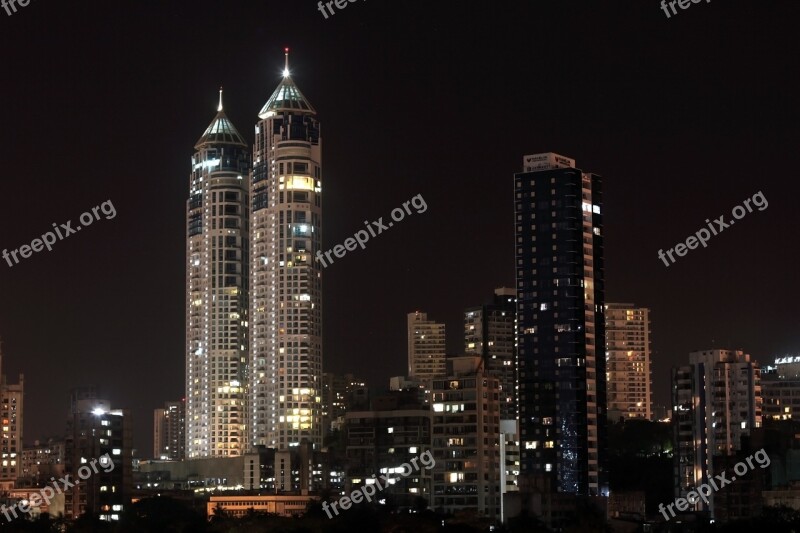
630	379
561	328
426	347
11	413
490	333
286	281
717	400
216	292
169	435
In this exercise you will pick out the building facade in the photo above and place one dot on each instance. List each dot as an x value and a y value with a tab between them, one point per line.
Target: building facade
286	280
338	393
560	324
11	413
169	435
509	460
379	441
275	504
216	292
426	347
780	388
628	361
42	461
465	409
98	453
716	402
489	331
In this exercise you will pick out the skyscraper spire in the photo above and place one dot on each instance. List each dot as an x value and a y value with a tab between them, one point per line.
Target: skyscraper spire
286	97
221	129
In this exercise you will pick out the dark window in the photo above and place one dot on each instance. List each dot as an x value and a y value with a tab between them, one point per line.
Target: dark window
260	201
196	224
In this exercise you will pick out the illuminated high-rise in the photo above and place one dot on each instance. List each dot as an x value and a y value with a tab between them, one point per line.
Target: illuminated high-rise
216	292
630	380
426	347
11	411
286	281
717	402
169	431
489	331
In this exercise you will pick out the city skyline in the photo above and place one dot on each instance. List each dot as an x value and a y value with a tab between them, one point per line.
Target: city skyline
693	309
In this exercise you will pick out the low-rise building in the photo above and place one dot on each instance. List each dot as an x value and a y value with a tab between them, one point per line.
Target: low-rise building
281	505
42	461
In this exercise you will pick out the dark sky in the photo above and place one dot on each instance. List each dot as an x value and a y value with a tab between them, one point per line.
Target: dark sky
684	117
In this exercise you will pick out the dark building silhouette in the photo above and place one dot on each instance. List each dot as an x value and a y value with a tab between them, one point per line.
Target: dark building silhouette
98	454
561	326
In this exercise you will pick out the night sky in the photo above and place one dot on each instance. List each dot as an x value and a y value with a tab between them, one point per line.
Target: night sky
684	118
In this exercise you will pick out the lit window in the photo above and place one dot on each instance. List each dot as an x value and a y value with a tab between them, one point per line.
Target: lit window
455	477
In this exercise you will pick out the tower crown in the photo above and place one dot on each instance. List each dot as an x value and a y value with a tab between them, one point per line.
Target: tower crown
287	97
221	130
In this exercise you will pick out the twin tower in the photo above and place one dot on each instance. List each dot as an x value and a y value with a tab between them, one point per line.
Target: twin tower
253	289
